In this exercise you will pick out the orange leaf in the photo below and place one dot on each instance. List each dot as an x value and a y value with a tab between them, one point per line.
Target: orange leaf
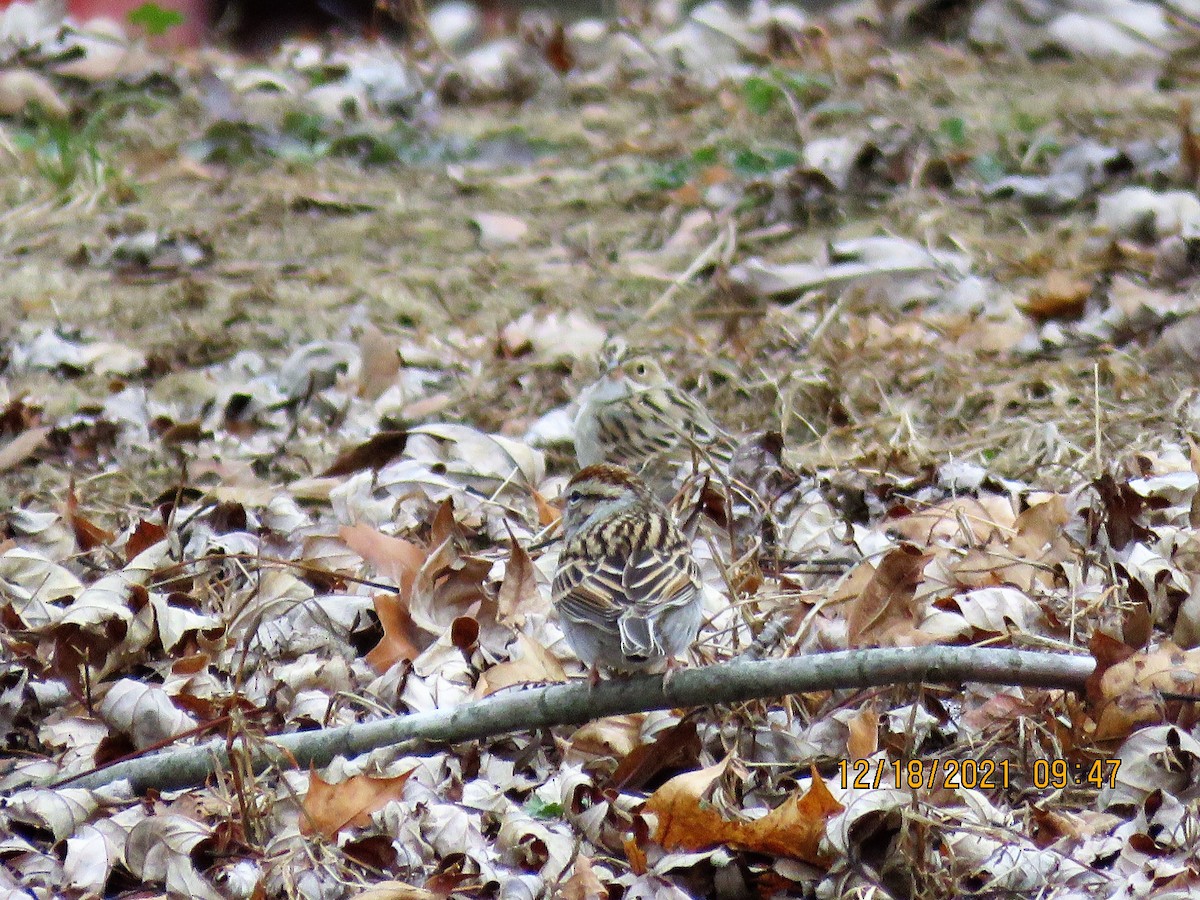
887	598
328	808
87	534
400	634
394	557
793	829
636	856
864	734
520	583
583	883
548	514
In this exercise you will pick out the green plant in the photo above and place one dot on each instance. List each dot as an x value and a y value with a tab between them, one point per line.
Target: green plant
64	152
154	19
760	94
954	129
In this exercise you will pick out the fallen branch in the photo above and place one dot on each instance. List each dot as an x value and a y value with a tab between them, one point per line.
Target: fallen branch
573	704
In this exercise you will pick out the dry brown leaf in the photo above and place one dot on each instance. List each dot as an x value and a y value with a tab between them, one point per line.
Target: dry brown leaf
1040	540
401	640
612	736
23	446
793	829
852	586
373	453
534	665
676	747
984	517
145	535
444	525
519	586
394	557
887	598
863	740
328	808
449	586
583	883
1122	510
1060	296
395	890
548	513
1129	693
1025	558
88	535
380	361
635	855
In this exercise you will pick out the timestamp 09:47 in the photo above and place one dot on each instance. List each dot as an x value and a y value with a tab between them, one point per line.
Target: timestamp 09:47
976	774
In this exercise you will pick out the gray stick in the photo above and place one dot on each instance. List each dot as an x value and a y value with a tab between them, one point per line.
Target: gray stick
573	704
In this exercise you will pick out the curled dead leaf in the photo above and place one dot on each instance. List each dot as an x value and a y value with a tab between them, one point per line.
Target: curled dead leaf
793	829
1131	692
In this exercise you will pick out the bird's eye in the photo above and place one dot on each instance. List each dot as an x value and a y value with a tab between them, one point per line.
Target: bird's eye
640	369
575	496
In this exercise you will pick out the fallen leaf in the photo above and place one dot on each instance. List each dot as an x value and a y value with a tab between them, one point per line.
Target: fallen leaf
1130	693
401	638
88	535
863	740
793	829
374	453
146	534
676	747
583	883
23	446
393	557
548	514
444	526
379	363
519	585
328	808
957	521
612	737
534	664
887	598
1059	296
1120	513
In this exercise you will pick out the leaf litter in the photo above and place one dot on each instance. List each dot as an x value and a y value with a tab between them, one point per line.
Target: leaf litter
285	409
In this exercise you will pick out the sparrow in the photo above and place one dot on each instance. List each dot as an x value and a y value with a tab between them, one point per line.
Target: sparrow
627	588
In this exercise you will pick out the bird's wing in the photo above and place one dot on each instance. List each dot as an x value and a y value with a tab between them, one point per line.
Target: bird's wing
589	593
688	420
639	584
657	578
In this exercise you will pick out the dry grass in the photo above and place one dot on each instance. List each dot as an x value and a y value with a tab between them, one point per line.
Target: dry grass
283	275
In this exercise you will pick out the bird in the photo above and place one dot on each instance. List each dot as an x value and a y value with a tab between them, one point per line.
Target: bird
634	416
627	588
